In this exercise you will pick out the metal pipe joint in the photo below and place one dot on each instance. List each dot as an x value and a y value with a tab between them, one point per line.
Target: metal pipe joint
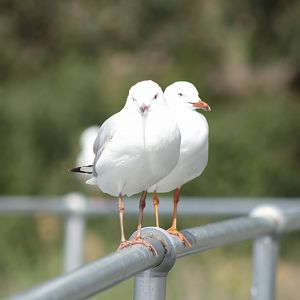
151	284
273	213
75	203
170	254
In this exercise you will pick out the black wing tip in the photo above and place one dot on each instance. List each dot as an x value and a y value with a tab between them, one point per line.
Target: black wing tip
75	170
79	170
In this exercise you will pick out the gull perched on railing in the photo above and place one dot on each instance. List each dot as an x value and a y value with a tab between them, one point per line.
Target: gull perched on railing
183	99
134	149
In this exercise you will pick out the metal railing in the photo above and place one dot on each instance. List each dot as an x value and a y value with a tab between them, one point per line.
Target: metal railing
75	208
264	226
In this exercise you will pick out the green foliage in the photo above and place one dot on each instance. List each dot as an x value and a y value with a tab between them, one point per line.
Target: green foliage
66	65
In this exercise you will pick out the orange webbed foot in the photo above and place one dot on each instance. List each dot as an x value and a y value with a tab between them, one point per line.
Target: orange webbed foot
137	241
183	239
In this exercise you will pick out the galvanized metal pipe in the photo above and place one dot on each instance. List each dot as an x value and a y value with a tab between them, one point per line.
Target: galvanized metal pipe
119	266
97	276
74	232
151	284
265	253
222	233
265	250
73	242
291	220
236	230
28	205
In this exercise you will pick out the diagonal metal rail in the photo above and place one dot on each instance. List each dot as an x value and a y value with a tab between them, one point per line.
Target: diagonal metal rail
265	223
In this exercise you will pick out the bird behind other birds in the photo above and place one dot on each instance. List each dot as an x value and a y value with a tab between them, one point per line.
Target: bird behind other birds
183	99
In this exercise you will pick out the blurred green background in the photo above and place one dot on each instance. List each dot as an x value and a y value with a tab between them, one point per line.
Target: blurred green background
67	65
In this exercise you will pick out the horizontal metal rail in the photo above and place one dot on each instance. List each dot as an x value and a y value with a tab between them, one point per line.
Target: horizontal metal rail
63	205
116	267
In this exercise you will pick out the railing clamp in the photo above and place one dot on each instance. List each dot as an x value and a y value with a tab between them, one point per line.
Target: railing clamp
273	213
151	284
75	203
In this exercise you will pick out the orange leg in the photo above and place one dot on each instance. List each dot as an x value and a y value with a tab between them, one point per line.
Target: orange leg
141	212
173	228
121	217
138	237
156	203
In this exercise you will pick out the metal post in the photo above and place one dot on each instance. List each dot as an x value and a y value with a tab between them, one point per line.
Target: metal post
265	253
151	284
148	285
74	232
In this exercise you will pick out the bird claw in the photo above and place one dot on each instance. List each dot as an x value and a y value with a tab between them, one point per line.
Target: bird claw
136	241
183	239
123	245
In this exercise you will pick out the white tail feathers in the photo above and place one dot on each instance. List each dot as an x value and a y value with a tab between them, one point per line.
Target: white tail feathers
92	181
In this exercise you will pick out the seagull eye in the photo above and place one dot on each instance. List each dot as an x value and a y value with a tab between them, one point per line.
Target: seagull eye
180	94
155	97
133	99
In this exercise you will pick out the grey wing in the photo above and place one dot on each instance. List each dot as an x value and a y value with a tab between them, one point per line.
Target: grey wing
105	134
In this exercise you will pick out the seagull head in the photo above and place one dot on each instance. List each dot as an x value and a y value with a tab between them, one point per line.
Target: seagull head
184	94
145	96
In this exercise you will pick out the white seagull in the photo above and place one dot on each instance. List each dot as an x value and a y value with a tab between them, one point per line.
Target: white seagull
183	99
134	149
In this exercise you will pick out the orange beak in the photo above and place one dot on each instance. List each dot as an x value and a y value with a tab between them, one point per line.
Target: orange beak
201	105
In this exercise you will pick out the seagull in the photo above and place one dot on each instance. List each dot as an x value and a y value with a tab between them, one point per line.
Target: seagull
183	100
134	149
86	154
